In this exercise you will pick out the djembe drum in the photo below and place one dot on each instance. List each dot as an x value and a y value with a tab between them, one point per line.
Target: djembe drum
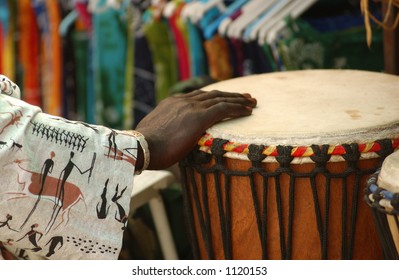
382	194
288	181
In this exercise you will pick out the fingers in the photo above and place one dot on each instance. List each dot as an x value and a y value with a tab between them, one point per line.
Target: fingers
223	110
201	95
242	100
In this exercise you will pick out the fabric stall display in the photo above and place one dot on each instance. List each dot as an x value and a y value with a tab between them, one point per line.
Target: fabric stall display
110	53
311	45
72	58
244	37
96	71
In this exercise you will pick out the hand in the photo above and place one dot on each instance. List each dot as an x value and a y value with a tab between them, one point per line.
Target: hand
174	127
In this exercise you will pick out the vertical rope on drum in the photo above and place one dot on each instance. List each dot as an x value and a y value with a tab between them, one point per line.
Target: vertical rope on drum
324	254
344	249
317	208
352	156
355	202
290	215
208	235
188	213
228	217
264	217
199	212
256	157
218	152
280	217
220	210
284	159
256	209
320	158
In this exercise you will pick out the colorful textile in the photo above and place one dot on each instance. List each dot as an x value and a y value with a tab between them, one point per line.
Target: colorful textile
7	48
217	51
29	53
110	43
66	185
164	57
183	56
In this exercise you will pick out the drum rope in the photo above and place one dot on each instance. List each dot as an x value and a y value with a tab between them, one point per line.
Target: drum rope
188	213
257	215
202	163
224	214
204	222
290	216
351	156
317	208
207	215
256	157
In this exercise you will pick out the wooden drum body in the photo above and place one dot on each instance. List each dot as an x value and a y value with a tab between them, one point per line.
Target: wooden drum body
288	181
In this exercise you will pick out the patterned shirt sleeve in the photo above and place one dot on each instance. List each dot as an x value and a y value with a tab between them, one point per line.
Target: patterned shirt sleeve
65	186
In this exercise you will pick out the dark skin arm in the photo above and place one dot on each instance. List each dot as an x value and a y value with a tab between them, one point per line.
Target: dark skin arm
174	127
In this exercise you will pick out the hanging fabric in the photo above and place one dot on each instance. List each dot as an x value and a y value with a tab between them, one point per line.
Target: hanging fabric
163	53
109	66
7	52
29	53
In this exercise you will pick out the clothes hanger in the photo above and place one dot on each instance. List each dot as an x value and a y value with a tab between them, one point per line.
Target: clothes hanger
251	32
238	26
67	22
169	9
210	30
295	12
205	6
223	26
280	15
187	10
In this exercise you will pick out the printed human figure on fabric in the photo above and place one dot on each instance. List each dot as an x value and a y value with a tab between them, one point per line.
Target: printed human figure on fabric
65	185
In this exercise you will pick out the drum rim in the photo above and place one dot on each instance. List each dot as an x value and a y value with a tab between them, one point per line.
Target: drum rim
300	153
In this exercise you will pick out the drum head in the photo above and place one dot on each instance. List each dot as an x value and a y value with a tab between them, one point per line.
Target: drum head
388	178
314	107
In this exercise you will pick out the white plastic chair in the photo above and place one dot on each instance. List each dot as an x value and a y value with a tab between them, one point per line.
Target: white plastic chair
146	189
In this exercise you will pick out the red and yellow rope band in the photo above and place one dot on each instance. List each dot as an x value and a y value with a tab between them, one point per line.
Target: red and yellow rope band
298	151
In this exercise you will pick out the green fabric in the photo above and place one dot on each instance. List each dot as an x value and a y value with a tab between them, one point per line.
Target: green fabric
164	57
128	116
308	49
80	44
268	53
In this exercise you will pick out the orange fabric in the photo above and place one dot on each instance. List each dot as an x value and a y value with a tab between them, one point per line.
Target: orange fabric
54	62
1	48
29	53
218	55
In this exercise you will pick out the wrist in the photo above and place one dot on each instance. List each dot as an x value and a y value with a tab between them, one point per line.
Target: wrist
143	153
